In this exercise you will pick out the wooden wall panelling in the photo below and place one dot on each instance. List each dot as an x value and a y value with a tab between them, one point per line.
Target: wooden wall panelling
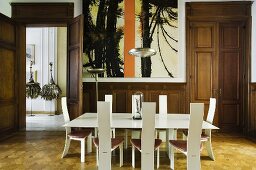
9	77
40	13
21	56
122	95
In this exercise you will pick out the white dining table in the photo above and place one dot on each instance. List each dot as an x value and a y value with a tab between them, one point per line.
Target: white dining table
125	121
171	122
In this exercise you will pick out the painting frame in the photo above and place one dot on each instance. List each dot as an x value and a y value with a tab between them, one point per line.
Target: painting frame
30	53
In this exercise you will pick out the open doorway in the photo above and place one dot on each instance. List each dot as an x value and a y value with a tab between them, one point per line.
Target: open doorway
45	45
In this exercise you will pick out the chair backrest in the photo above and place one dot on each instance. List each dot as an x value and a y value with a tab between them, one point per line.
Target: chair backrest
163	105
109	98
104	135
194	133
148	135
65	113
211	111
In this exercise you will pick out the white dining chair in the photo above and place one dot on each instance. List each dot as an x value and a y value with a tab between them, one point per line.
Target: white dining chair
147	144
206	134
79	135
162	113
104	143
109	98
191	146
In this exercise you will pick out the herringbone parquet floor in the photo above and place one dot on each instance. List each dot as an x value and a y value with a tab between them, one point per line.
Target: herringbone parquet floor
42	151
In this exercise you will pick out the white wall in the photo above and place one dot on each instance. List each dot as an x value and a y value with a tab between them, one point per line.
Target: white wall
62	62
5	8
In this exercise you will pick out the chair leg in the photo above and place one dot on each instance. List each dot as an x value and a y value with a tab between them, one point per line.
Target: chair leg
97	156
208	145
172	157
66	147
121	152
156	134
158	158
126	139
113	133
95	132
184	137
89	143
82	149
133	156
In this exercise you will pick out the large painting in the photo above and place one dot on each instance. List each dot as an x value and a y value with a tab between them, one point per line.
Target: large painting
106	28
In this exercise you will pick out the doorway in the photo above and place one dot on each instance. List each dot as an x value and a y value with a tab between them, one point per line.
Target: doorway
45	45
218	48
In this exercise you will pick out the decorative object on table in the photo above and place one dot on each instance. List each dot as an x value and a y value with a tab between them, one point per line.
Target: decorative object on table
33	89
95	72
137	99
51	91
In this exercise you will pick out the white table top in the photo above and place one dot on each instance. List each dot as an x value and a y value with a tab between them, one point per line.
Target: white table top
124	120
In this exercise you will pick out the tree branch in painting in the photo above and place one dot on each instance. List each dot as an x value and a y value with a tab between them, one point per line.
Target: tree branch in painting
102	37
159	14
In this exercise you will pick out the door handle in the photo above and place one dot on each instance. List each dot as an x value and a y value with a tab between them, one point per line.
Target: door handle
215	92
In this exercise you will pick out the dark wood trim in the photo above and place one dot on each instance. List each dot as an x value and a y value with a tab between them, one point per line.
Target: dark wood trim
34	15
43	14
21	54
218	9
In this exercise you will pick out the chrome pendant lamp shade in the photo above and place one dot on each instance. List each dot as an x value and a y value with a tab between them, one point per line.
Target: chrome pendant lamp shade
142	52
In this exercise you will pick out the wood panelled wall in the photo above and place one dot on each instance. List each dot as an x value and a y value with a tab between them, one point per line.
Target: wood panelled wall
12	76
251	117
122	95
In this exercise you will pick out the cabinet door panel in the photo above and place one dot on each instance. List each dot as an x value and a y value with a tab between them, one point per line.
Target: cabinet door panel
203	62
230	74
74	67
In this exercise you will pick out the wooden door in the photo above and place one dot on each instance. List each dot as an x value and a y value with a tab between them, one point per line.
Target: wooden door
12	59
203	63
231	53
74	67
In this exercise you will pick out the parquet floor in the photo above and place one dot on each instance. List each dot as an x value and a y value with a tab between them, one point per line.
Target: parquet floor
42	151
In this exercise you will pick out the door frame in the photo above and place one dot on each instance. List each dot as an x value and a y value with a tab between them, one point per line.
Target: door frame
210	17
38	19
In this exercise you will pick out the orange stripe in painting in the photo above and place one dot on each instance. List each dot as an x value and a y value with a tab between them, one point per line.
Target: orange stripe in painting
129	37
